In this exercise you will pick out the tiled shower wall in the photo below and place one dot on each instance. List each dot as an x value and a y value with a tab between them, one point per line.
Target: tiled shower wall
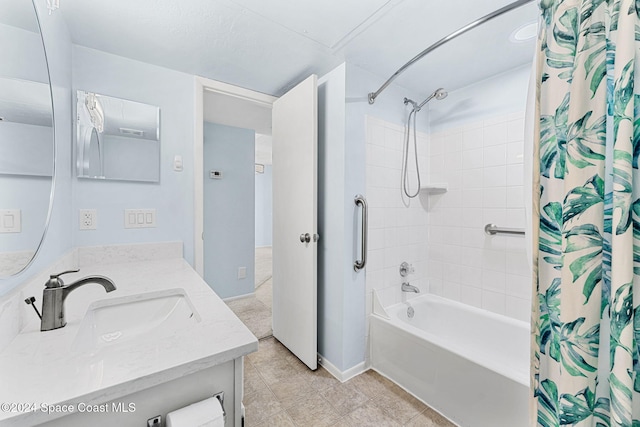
396	233
482	163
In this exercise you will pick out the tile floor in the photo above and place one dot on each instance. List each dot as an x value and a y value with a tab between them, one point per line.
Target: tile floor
255	311
279	390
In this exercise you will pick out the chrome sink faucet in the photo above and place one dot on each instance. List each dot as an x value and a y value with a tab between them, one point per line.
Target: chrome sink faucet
55	293
406	287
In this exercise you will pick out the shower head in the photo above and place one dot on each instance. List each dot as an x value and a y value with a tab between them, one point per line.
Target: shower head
439	94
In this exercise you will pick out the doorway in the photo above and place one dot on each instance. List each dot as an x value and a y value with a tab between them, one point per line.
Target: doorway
233	246
295	136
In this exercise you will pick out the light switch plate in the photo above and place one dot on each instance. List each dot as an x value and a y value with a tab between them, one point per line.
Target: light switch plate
139	218
10	221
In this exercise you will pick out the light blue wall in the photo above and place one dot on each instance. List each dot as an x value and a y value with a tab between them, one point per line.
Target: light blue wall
343	107
264	207
229	209
500	94
331	183
58	239
173	197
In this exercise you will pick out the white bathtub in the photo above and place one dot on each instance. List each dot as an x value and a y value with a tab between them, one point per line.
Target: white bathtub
470	365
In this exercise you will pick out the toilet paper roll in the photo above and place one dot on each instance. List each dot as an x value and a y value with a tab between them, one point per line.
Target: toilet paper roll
206	413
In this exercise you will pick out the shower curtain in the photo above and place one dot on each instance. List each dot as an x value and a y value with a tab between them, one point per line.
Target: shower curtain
586	302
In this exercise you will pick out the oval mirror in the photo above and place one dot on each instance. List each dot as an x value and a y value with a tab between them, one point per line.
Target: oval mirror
27	149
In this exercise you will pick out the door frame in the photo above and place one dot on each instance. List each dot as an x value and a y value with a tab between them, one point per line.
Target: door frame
203	84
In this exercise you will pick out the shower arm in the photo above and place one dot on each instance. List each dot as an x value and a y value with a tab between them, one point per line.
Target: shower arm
455	34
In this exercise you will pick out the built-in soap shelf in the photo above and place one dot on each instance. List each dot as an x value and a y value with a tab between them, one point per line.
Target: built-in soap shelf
436	188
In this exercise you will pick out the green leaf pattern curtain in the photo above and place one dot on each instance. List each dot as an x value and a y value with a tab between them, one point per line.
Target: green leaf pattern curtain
586	302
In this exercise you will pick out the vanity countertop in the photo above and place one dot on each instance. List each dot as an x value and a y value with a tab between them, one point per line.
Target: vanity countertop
40	369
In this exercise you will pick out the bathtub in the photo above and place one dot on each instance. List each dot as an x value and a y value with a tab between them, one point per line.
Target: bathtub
470	365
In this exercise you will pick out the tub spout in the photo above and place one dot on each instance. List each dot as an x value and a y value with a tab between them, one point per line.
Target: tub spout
406	287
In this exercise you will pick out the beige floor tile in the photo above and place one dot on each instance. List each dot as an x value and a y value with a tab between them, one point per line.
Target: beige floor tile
319	379
268	349
253	383
273	370
372	383
281	419
260	405
313	411
245	305
259	323
370	415
263	264
429	418
290	390
398	404
264	293
342	422
344	398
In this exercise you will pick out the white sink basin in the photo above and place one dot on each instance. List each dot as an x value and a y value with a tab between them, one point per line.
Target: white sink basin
148	315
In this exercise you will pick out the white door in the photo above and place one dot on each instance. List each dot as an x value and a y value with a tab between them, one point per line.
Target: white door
295	199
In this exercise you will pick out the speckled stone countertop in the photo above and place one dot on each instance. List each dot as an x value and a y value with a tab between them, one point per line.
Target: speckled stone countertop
47	368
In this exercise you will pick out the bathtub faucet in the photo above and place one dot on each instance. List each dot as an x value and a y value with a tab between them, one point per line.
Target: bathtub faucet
406	287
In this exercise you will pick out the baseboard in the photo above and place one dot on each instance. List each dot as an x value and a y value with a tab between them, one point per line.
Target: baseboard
249	295
342	376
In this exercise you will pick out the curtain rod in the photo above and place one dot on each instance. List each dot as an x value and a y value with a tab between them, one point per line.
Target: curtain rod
486	18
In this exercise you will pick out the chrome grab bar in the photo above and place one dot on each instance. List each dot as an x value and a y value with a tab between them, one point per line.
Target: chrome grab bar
360	264
492	229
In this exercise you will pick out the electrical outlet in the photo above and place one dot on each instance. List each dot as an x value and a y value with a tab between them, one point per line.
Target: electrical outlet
242	272
88	219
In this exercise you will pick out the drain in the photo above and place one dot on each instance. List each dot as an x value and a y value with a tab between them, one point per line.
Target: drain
410	312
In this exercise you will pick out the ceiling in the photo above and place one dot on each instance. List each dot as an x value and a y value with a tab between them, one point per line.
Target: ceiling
270	45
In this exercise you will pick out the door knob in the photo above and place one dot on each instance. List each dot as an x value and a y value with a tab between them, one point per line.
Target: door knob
305	238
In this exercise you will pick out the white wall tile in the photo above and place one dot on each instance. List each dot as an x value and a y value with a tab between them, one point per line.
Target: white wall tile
495	197
495	134
472	138
515	197
472	197
519	286
472	178
515	130
515	174
452	290
496	176
472	159
453	141
494	301
494	281
495	155
481	163
518	308
471	296
515	152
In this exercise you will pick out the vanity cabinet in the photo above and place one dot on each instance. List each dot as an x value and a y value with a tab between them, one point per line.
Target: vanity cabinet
135	409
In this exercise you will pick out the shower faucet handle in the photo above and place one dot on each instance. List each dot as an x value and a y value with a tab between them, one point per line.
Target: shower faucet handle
406	269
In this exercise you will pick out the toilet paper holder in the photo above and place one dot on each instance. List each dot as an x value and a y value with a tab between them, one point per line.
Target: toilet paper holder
220	397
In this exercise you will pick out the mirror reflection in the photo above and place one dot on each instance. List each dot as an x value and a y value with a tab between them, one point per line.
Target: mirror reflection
117	139
26	137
